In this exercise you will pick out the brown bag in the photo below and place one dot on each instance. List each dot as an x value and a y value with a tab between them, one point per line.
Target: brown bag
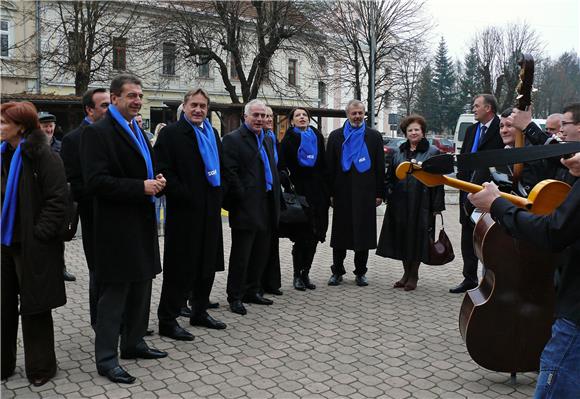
440	251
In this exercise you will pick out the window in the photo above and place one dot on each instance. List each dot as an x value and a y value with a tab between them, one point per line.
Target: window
169	58
5	38
292	71
74	55
203	68
322	92
119	53
233	70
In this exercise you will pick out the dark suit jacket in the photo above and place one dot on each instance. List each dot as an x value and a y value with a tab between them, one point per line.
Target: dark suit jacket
193	229
243	173
491	140
125	227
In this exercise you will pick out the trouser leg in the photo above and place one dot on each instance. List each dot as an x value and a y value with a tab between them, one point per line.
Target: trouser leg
93	297
338	256
110	309
136	316
242	241
9	321
272	279
38	341
309	252
470	260
171	300
200	294
259	257
360	262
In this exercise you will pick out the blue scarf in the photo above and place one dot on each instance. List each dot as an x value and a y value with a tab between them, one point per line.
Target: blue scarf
208	150
11	195
308	150
354	149
139	140
275	144
264	155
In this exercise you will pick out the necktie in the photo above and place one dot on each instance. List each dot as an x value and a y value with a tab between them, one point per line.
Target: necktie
478	135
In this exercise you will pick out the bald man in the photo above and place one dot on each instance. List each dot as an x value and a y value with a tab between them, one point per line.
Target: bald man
554	124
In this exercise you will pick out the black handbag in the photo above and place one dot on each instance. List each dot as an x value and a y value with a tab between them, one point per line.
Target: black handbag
440	251
294	206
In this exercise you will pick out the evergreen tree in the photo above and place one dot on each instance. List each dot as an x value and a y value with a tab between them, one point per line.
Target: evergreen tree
470	80
427	104
445	86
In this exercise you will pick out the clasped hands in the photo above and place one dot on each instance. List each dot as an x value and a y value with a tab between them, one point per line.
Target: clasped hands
154	186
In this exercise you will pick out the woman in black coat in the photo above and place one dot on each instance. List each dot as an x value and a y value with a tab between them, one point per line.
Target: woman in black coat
411	207
34	201
302	156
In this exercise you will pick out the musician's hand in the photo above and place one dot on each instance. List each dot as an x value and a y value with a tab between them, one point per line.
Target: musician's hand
520	119
378	201
573	164
483	199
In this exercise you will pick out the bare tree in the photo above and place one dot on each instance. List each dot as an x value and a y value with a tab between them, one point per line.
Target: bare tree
395	26
498	49
240	37
406	74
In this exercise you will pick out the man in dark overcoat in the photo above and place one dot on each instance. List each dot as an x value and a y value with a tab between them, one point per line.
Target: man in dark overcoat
95	103
253	202
189	158
481	136
356	187
118	170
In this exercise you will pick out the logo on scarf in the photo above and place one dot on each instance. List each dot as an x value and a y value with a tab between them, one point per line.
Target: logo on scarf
362	159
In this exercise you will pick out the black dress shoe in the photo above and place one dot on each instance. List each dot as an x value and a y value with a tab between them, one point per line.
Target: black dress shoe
238	307
361	280
185	311
149	353
299	284
213	305
207	321
307	283
465	285
274	291
68	276
177	333
258	300
335	279
38	382
119	375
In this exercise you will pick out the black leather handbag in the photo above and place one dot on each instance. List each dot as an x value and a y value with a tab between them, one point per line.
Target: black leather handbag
440	251
294	206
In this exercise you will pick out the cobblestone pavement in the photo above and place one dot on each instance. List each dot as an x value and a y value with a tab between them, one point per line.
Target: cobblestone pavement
343	341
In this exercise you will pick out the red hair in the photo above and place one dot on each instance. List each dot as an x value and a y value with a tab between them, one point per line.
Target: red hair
21	113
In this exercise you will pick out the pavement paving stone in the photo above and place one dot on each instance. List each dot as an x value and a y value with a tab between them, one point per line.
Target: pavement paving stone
343	341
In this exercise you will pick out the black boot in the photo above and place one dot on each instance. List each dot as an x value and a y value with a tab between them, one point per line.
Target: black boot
298	283
306	280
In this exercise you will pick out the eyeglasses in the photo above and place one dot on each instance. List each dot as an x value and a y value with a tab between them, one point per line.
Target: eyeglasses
564	123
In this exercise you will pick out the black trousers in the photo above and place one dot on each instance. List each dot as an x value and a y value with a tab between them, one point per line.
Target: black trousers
470	260
126	304
360	261
37	329
93	297
173	297
303	252
248	257
272	278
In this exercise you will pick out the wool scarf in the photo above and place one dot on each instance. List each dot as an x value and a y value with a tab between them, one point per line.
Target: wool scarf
264	156
274	143
354	149
208	149
308	150
11	196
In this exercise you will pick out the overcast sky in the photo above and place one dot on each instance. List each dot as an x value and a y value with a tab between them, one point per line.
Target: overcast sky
556	21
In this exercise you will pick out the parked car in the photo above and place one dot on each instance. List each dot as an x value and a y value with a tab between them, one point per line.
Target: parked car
444	145
390	145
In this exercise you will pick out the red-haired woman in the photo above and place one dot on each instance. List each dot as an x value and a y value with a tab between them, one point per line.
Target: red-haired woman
411	207
34	200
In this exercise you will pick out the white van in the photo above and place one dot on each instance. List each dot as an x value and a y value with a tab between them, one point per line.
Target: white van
466	120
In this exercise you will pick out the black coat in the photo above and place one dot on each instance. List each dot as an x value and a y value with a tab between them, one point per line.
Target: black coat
193	229
308	182
243	174
42	202
409	220
125	228
70	154
354	219
491	140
